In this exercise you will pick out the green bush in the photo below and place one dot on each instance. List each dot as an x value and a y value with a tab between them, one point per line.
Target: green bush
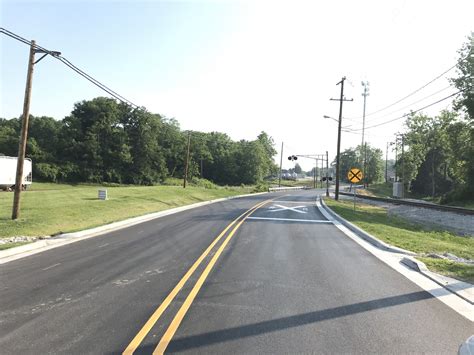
203	183
46	172
171	181
261	187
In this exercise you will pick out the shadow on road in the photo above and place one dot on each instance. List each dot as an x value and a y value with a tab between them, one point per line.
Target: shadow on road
249	330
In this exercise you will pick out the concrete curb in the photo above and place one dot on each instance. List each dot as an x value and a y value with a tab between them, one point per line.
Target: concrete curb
366	236
461	289
39	246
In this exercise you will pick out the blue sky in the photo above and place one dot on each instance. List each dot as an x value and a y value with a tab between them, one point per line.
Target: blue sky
240	66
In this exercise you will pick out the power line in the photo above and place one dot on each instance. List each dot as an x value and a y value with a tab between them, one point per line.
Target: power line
414	92
411	112
407	106
66	62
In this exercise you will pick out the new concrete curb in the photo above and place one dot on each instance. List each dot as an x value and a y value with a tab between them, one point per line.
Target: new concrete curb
461	289
39	246
366	236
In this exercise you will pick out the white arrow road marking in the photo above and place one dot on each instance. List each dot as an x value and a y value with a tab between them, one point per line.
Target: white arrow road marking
283	208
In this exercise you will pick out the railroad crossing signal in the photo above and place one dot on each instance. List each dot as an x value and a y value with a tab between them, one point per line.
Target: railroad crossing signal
354	175
292	157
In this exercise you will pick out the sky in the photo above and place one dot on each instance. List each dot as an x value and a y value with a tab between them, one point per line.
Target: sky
242	67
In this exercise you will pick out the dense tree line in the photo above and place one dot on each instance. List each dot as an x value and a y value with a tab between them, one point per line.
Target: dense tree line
440	157
105	141
367	158
438	151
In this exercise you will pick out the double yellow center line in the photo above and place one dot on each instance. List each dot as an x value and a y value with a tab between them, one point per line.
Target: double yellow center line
173	327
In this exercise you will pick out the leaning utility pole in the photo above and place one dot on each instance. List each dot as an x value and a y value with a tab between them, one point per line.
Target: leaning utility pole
24	134
281	163
187	162
341	100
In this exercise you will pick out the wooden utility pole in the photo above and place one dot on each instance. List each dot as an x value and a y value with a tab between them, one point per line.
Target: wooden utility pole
341	100
187	162
281	163
24	134
386	163
327	174
403	166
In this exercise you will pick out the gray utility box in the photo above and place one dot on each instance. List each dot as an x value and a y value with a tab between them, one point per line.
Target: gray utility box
102	194
398	189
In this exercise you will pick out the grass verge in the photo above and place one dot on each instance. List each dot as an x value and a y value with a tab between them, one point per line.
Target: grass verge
49	209
450	268
398	232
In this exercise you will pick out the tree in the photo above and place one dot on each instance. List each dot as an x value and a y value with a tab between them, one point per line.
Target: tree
465	79
436	159
298	169
465	83
350	158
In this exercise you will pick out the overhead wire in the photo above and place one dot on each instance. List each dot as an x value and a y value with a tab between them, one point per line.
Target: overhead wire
407	106
412	93
411	112
69	64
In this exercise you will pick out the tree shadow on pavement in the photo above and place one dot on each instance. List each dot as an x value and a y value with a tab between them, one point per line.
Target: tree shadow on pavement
249	330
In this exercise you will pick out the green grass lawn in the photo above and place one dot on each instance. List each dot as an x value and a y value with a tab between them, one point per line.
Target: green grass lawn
401	233
47	209
381	190
385	190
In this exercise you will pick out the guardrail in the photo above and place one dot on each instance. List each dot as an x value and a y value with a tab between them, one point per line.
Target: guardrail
285	188
413	203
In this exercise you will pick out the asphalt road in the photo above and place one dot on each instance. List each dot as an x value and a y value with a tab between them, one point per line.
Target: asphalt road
283	280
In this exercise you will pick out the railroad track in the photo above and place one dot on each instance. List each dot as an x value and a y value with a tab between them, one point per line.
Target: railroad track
460	210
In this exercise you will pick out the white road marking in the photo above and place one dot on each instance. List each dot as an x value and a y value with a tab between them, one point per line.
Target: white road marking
292	219
103	245
50	267
306	202
284	208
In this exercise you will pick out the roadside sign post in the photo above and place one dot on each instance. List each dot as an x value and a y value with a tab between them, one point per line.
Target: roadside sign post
354	176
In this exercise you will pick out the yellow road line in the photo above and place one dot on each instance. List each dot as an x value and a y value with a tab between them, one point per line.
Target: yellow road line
159	311
173	327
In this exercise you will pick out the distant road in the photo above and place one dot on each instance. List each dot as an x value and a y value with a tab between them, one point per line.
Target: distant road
280	279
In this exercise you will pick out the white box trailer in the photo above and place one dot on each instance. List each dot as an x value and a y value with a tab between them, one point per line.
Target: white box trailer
8	172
